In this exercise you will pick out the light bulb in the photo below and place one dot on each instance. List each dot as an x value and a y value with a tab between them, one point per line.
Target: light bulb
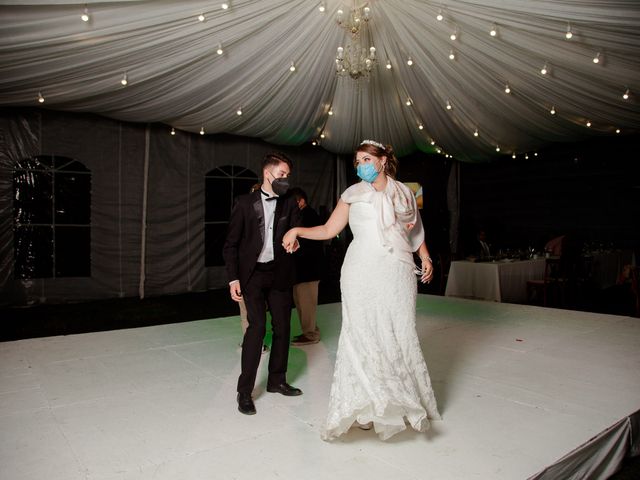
513	155
173	131
526	156
588	124
448	105
452	55
314	143
330	112
625	95
408	102
322	135
475	133
201	130
239	111
321	8
454	35
292	68
439	17
201	17
569	33
618	130
85	15
596	59
409	61
493	32
433	142
552	111
497	148
219	51
507	88
225	5
420	126
125	79
40	97
388	65
544	70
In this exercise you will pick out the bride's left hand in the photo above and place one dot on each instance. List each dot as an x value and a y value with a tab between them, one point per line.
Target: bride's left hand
427	271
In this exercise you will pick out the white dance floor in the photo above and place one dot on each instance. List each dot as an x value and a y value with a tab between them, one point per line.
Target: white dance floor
518	387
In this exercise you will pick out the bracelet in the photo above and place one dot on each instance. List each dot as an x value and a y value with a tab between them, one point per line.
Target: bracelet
424	259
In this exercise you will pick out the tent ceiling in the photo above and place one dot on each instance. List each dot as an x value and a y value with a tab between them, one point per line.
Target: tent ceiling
176	77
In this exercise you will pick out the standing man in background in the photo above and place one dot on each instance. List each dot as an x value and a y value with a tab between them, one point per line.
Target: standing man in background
262	273
309	263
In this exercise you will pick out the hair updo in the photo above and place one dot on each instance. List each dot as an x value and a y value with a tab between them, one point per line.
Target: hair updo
391	165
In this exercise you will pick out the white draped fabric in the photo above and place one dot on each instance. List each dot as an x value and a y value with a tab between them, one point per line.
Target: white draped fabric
176	77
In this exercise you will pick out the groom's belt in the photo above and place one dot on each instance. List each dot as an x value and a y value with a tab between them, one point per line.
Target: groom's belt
265	266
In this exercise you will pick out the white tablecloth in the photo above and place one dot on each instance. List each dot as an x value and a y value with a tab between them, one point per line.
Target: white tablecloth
498	281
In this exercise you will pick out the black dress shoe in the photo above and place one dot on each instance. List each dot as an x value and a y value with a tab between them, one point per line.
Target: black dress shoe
245	404
284	389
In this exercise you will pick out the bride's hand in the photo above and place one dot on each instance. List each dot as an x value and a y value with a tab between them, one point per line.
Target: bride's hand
427	271
290	241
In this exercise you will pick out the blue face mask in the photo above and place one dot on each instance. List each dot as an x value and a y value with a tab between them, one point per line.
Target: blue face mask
367	172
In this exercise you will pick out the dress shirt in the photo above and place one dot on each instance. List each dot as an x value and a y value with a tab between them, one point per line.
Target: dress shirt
269	208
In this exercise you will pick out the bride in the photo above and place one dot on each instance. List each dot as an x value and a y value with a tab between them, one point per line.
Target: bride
380	377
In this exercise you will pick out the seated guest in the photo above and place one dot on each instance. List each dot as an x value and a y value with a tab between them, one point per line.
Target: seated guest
483	247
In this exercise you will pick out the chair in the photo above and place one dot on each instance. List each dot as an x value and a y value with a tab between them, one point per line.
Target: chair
552	285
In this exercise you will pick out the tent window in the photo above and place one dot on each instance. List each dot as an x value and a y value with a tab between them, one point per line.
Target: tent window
222	186
51	218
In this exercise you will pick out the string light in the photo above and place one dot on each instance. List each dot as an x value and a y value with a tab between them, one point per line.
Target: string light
85	14
618	130
433	142
201	17
588	124
493	32
219	51
388	64
569	33
322	135
125	79
420	126
408	102
292	68
409	61
626	94
239	111
452	55
596	59
314	143
497	148
40	97
330	112
225	6
454	35
201	130
475	133
507	88
513	155
553	110
449	105
526	156
321	8
173	131
439	17
544	70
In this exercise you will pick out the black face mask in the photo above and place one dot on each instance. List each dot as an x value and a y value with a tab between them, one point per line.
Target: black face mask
280	186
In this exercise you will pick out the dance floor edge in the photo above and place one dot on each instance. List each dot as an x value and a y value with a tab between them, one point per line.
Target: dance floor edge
524	392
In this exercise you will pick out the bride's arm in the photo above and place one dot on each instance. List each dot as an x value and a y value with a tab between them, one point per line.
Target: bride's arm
427	264
336	223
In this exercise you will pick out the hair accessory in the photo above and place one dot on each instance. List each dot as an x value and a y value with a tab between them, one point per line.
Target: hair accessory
374	143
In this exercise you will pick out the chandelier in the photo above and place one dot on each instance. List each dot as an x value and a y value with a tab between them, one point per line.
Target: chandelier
354	60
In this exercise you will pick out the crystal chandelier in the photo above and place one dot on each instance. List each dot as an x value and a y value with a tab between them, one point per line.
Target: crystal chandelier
354	60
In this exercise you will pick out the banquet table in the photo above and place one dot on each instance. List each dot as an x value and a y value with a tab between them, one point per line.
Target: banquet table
499	281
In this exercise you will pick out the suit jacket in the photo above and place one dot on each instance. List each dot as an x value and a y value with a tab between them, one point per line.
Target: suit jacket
245	238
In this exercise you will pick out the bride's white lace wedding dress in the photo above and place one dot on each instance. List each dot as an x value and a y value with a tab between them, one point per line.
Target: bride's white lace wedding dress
380	374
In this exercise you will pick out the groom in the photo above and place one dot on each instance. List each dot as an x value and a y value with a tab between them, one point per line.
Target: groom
262	272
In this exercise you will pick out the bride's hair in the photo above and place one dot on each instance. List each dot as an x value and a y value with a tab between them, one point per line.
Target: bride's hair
390	167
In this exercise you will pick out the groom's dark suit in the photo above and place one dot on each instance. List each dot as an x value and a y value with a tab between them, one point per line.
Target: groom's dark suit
262	283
